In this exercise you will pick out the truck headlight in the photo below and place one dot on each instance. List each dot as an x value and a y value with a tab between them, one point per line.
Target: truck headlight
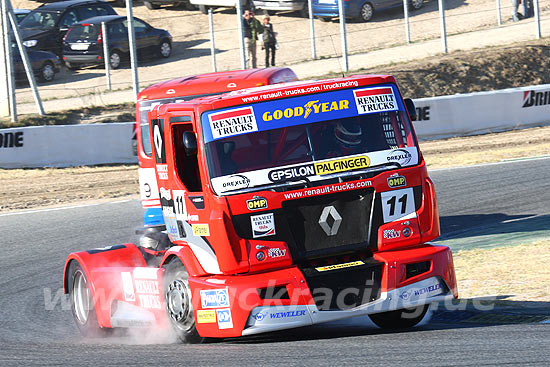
30	43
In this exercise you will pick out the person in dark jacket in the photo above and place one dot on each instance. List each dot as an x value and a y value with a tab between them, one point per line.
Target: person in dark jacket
252	28
269	41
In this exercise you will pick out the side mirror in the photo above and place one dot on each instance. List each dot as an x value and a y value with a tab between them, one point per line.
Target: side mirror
190	143
410	107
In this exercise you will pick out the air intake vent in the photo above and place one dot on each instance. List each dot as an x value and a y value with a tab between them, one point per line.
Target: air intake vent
273	293
415	269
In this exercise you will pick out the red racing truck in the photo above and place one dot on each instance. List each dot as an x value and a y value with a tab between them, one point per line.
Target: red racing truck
285	205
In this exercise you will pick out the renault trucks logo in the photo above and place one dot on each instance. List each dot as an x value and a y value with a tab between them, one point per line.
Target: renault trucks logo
311	107
330	220
375	100
533	99
233	122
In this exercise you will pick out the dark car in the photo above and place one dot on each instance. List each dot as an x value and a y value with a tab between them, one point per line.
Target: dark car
362	10
20	14
44	27
83	43
44	64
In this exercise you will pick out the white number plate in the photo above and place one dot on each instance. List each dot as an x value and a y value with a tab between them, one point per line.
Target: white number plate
397	204
80	46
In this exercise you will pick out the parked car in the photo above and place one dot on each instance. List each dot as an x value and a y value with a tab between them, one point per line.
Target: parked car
362	10
155	4
20	14
44	27
44	64
83	43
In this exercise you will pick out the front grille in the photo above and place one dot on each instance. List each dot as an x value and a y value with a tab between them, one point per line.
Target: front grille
310	219
346	287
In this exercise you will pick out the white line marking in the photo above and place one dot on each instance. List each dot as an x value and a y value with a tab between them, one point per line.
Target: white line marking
64	207
528	159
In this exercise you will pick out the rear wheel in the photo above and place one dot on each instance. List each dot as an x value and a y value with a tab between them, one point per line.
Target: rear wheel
400	319
366	12
47	73
115	59
415	4
203	9
71	66
151	6
82	303
325	19
165	48
179	306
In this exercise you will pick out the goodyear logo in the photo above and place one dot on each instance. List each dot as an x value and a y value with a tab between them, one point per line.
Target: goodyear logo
340	165
206	316
257	203
396	181
306	110
339	266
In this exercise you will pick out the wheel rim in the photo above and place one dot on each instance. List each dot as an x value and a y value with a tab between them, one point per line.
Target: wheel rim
48	72
178	303
81	297
366	12
165	49
417	3
115	60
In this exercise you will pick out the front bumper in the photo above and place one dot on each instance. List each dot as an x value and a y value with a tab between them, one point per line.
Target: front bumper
83	59
279	5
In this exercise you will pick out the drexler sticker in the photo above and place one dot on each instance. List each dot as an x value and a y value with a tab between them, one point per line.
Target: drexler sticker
232	122
372	100
263	225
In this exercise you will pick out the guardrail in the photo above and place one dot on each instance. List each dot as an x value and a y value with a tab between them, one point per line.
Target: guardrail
438	117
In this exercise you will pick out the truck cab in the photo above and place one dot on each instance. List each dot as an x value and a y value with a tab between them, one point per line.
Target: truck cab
285	206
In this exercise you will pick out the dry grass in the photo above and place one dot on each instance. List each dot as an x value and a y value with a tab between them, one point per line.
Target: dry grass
520	272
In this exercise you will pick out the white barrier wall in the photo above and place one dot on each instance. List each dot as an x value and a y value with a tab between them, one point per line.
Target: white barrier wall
438	117
483	112
66	145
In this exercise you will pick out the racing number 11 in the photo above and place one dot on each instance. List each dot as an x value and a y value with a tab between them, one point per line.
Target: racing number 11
397	204
403	202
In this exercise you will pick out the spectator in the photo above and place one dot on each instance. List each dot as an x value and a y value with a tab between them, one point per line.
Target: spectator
528	10
252	28
269	41
515	15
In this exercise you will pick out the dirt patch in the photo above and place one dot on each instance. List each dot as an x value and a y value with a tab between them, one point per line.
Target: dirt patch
489	272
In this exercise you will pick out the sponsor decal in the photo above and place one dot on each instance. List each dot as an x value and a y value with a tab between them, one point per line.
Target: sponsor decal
162	171
406	295
213	298
256	203
201	229
276	252
147	286
158	140
287	314
11	140
263	225
327	189
310	107
236	182
330	229
224	318
165	194
260	315
397	204
127	286
532	98
291	173
149	301
340	165
400	156
232	122
391	234
423	113
396	181
372	100
180	208
340	266
206	316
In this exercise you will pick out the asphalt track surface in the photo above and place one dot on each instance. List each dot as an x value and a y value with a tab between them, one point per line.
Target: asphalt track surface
36	326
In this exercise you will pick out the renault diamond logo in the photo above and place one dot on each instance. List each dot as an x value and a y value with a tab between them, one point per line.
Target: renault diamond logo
330	229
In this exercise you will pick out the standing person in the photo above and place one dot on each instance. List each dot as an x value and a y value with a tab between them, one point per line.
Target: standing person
269	41
515	14
252	28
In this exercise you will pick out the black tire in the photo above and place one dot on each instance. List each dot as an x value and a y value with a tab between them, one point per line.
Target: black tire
203	9
47	72
415	4
179	305
151	6
304	12
82	303
71	66
400	319
325	19
366	12
165	49
115	59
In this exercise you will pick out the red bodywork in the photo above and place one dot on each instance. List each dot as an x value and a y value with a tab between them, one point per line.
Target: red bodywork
219	258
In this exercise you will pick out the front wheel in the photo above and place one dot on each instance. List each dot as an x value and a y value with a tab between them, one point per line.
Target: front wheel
165	49
366	12
115	59
82	303
325	19
415	4
47	73
151	6
400	319
179	305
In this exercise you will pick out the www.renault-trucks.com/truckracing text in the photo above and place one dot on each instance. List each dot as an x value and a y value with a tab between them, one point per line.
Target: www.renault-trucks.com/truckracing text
284	206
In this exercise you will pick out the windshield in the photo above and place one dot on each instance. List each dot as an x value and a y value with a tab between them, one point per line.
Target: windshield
40	19
307	139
